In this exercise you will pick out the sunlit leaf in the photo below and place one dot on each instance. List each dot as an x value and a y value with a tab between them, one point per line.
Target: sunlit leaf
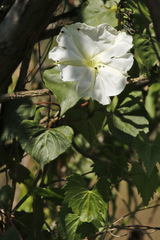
61	223
47	193
144	52
96	12
65	92
44	145
151	99
72	221
88	204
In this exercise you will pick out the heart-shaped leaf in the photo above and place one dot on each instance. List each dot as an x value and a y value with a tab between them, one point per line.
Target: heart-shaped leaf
44	145
65	92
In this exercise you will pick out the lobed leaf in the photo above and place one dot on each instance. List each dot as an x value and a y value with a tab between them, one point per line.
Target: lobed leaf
148	151
72	222
146	185
88	204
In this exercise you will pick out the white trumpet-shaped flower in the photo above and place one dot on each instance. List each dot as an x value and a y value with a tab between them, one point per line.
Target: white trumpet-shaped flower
96	57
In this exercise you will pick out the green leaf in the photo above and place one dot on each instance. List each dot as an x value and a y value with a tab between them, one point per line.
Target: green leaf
88	204
72	222
6	197
44	145
86	122
146	185
14	112
65	92
96	12
128	119
25	223
30	224
61	223
140	18
148	151
47	193
86	229
151	99
144	52
115	168
22	173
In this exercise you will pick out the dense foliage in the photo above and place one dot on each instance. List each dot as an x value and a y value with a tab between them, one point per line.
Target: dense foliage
63	158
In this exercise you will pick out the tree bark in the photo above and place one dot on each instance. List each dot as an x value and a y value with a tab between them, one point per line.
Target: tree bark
19	31
154	9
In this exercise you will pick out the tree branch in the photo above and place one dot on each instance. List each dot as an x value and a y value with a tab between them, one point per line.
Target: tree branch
19	30
24	94
50	33
140	81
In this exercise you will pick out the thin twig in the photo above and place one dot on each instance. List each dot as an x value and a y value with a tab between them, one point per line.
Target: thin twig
44	56
138	227
23	71
117	236
142	228
53	182
85	154
131	213
29	192
126	204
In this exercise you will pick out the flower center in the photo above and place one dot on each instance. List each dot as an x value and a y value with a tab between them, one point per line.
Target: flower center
92	62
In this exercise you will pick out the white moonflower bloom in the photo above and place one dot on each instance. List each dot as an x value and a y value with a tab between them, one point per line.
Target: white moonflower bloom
96	57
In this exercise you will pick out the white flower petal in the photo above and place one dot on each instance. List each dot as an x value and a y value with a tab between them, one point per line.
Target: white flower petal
99	93
112	80
64	56
122	44
86	84
123	63
72	73
65	40
90	40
